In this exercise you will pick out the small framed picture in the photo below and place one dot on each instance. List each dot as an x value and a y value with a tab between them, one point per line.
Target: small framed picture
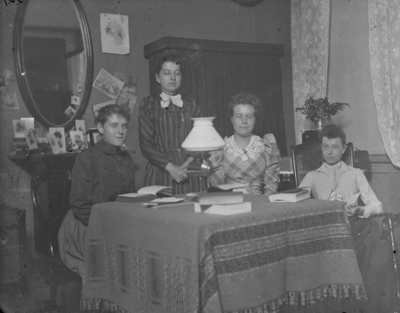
108	84
96	107
59	134
79	87
19	128
29	122
77	140
31	139
94	136
70	111
53	143
75	100
80	125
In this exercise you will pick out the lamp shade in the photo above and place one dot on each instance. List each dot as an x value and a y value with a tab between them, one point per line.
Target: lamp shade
203	136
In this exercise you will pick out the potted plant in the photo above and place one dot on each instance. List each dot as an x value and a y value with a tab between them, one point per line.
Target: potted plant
317	111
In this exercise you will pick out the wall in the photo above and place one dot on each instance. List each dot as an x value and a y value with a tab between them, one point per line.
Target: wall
149	20
350	81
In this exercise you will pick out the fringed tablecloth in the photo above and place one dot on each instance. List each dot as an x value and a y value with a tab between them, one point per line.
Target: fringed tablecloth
282	257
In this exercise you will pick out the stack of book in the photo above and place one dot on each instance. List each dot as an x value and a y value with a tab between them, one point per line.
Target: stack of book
222	203
291	195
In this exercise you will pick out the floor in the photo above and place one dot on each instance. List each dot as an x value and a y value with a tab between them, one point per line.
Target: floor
49	288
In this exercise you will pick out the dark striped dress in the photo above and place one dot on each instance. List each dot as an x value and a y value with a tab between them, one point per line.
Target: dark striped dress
161	133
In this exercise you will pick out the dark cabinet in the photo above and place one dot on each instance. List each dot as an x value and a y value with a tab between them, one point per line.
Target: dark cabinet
214	71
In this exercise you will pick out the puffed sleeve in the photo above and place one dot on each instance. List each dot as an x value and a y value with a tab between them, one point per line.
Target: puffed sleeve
372	204
82	192
218	174
147	135
273	159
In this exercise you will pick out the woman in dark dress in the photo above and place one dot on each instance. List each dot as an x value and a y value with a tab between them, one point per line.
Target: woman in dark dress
99	175
164	123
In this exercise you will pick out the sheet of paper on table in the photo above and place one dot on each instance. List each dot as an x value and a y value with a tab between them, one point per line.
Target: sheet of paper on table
163	202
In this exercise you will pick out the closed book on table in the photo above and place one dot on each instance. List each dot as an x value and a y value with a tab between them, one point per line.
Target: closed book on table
146	194
221	198
291	195
223	209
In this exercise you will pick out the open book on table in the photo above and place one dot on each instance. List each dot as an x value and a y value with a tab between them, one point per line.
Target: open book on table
146	194
227	187
291	195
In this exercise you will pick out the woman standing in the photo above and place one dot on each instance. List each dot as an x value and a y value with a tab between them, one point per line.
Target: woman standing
247	158
164	123
99	175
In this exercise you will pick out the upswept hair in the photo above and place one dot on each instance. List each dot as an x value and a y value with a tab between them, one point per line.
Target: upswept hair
332	131
245	98
169	57
108	110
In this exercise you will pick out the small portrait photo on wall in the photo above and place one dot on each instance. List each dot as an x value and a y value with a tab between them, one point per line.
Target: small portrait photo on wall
75	100
31	139
70	112
59	134
94	136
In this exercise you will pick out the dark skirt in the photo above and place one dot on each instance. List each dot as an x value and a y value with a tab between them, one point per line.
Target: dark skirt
71	243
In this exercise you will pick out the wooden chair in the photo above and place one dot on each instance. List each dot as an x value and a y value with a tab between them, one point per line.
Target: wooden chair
308	157
50	191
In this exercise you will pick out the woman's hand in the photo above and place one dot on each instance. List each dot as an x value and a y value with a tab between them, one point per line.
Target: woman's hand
185	165
176	173
351	209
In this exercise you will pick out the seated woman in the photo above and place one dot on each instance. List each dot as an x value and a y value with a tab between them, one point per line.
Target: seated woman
335	180
246	158
99	175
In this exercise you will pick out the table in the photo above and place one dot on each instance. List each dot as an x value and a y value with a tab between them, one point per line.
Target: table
281	257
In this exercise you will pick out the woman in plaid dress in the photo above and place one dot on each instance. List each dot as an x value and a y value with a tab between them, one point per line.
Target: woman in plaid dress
247	158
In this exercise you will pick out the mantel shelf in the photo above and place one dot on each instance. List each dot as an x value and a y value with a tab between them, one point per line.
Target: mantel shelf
62	160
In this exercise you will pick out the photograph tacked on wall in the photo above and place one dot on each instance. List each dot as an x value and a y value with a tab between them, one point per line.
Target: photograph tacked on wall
80	125
75	100
70	112
114	33
59	134
9	99
19	127
78	140
108	84
53	143
96	107
31	139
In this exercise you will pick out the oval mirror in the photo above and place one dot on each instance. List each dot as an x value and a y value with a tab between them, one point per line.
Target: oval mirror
53	59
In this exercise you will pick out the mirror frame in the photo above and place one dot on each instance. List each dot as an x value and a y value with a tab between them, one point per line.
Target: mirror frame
20	66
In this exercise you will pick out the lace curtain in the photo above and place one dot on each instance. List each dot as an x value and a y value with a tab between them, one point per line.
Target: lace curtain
384	47
310	43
